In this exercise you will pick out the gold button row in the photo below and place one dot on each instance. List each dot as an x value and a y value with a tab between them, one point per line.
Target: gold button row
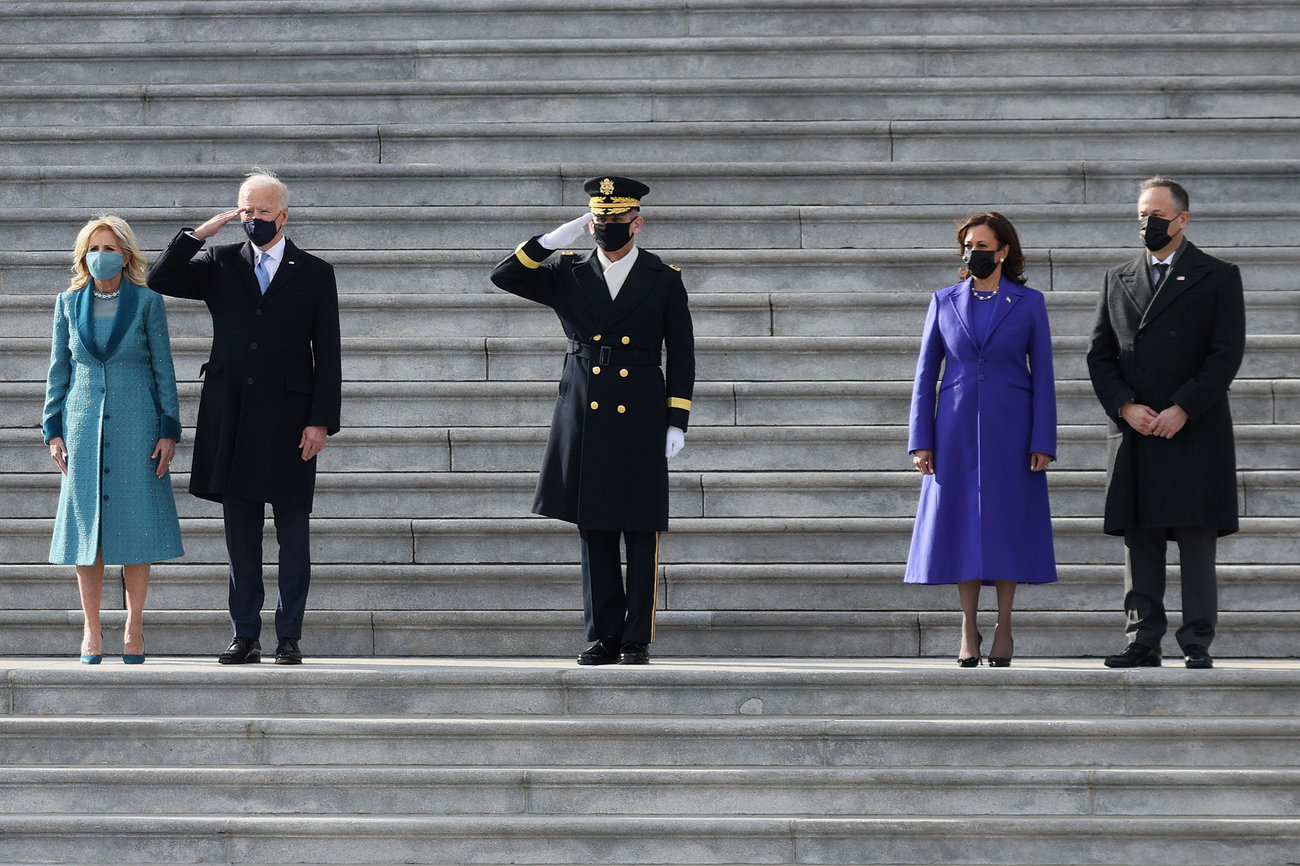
596	339
595	406
595	371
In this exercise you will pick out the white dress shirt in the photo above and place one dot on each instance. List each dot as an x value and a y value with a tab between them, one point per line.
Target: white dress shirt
271	257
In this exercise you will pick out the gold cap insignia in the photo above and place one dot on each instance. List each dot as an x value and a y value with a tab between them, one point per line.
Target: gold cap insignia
607	187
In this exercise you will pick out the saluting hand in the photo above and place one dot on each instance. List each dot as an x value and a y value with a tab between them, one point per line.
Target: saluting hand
564	236
212	226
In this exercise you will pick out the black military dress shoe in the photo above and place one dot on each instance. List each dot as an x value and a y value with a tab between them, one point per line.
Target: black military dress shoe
1197	656
634	654
1135	656
287	652
242	651
602	652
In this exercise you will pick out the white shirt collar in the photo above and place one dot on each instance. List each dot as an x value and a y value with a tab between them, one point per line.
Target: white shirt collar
275	253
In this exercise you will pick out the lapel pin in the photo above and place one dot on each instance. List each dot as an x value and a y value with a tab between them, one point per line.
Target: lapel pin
1180	278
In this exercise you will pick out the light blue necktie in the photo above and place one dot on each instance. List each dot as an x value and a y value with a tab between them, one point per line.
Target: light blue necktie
263	278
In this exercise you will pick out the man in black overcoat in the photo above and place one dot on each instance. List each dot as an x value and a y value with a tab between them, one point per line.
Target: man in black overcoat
271	396
621	412
1169	338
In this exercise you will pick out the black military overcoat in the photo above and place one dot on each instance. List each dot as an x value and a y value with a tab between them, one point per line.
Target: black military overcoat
274	368
604	465
1184	347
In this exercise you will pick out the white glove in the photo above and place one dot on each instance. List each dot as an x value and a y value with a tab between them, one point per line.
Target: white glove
564	236
675	442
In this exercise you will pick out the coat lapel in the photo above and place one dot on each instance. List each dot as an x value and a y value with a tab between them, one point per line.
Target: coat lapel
1136	283
83	304
246	274
1188	269
962	301
285	272
126	304
637	285
1009	295
592	282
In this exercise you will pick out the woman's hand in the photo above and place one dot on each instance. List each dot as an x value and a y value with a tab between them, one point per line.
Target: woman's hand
60	454
1038	461
165	450
923	460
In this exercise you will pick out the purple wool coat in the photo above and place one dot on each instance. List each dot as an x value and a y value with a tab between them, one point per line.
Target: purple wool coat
984	515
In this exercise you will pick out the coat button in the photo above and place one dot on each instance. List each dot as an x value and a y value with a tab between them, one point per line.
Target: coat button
258	313
248	381
1173	333
595	371
626	340
595	405
253	346
623	373
105	497
984	361
108	471
982	377
622	409
596	338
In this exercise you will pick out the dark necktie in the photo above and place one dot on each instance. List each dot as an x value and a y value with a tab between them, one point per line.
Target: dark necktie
1161	269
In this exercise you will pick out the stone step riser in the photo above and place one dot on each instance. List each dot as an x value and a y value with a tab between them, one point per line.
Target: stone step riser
494	839
508	791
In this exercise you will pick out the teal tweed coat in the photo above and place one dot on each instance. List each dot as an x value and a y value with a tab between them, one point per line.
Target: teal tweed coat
111	409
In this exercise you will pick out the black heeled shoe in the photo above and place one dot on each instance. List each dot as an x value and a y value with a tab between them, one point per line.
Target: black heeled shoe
973	661
1002	661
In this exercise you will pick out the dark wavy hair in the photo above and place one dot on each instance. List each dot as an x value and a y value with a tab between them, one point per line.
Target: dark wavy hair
1013	267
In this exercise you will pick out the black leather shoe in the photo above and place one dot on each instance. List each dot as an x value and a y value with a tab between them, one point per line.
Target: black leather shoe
602	652
287	652
1197	656
242	651
1135	656
634	653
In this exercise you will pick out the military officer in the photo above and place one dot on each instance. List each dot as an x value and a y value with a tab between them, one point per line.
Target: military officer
621	411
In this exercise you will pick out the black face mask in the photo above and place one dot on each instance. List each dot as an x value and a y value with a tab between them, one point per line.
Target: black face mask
612	236
260	232
1155	232
980	263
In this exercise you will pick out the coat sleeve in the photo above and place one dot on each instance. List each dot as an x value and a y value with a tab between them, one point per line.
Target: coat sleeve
327	358
59	378
1227	345
1103	359
920	425
179	273
164	374
521	273
1042	437
679	339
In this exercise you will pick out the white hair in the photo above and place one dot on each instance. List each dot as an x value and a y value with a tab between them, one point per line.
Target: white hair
260	177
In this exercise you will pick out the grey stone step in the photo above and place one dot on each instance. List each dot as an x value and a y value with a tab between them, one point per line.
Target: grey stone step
425	55
764	227
759	694
294	20
642	839
776	271
692	495
755	586
1262	540
744	404
632	99
726	633
785	182
1045	740
507	790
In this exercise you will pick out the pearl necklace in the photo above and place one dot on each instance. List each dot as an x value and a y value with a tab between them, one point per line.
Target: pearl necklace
979	297
107	296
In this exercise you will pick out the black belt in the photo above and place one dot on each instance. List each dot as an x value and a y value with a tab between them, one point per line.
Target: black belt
614	356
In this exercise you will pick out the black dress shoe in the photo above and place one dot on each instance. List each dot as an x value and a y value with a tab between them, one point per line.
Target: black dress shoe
1135	656
1197	656
634	653
287	652
242	651
602	652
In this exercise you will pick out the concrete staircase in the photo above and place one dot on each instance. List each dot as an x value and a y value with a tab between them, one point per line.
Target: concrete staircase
808	159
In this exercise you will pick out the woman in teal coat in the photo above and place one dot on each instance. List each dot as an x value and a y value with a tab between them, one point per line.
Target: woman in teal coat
112	420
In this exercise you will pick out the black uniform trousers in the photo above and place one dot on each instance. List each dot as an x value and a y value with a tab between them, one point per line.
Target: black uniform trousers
612	611
1144	584
244	520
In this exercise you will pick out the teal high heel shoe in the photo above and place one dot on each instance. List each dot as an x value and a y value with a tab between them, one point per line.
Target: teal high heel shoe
132	659
91	658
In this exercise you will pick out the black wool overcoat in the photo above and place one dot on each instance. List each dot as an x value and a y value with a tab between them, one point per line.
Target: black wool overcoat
1184	347
274	368
604	465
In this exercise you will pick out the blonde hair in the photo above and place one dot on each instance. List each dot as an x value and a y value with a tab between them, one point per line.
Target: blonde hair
260	177
134	268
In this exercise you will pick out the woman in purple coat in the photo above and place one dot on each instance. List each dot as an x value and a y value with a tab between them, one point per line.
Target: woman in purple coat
983	437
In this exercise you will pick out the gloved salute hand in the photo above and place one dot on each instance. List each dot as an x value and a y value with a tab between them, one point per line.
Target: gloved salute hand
564	236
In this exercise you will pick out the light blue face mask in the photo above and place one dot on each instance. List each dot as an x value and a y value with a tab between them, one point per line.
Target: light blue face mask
104	266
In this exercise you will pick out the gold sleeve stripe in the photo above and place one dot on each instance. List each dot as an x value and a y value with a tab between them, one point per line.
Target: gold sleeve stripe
524	259
679	403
